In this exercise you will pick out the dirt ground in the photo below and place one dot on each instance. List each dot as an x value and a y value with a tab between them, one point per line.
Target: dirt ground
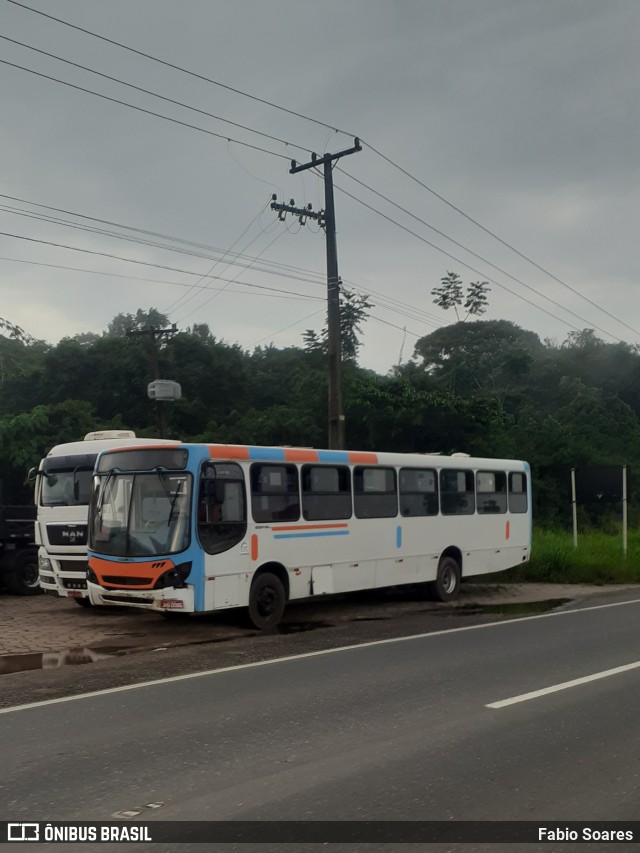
61	629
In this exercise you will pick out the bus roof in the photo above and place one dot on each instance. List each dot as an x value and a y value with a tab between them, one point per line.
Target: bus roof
254	453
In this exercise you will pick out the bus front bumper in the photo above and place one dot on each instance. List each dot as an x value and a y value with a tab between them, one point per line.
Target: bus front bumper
163	600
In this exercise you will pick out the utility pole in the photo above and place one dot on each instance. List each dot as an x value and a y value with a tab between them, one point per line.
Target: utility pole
154	336
327	220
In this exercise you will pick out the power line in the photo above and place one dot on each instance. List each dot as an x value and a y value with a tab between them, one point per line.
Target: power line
290	326
318	122
282	270
484	260
100	254
141	109
182	299
484	275
277	293
191	243
180	68
499	239
156	95
206	302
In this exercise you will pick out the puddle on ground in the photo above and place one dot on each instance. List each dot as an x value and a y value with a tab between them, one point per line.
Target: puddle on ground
517	608
370	619
299	627
55	660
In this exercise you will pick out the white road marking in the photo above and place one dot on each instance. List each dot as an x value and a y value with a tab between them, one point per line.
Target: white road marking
524	697
288	658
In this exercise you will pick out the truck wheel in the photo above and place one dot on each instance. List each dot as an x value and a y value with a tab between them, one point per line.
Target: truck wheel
22	578
83	602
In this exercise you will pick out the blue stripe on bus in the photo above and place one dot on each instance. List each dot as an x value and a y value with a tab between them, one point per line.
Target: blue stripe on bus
267	453
307	535
339	456
398	537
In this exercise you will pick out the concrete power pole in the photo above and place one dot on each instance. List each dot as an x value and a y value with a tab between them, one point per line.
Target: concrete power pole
154	336
334	344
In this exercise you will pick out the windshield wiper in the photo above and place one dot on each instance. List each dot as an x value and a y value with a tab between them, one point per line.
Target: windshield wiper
103	489
172	496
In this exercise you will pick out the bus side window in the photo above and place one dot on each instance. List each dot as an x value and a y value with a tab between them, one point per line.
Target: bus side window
457	492
374	492
275	495
326	492
418	492
491	490
517	492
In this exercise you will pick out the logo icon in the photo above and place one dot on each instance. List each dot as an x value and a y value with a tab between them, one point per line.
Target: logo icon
23	832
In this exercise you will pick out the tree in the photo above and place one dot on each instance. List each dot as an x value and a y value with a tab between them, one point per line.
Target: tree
354	310
486	356
450	294
124	323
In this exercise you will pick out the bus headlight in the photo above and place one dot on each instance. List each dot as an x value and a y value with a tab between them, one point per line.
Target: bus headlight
175	577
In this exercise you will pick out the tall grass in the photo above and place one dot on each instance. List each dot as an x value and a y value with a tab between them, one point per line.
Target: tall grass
598	559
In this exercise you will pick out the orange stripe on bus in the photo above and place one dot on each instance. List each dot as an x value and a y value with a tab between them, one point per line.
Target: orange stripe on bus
310	527
360	458
228	451
300	454
507	529
254	546
148	572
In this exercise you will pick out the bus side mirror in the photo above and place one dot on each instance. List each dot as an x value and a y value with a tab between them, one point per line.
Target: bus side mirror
31	476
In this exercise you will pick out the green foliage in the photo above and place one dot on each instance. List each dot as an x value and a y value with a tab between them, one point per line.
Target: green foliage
122	324
451	294
598	559
354	310
482	387
26	437
482	357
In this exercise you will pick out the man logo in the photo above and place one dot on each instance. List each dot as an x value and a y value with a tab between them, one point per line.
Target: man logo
23	832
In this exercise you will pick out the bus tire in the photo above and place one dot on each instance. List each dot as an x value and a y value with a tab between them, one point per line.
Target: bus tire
267	600
446	586
22	578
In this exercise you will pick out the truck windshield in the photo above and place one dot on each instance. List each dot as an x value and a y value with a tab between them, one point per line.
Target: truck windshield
66	486
134	514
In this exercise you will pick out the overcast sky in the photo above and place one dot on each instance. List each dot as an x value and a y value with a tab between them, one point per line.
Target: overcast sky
522	114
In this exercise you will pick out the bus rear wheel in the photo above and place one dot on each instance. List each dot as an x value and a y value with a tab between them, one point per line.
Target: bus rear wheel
267	601
446	586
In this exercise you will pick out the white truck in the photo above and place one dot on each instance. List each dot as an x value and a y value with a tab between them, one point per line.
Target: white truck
62	491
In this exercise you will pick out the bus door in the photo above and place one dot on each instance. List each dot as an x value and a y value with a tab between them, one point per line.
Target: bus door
222	533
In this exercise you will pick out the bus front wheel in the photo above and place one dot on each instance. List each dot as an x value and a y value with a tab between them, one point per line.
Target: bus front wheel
267	601
446	586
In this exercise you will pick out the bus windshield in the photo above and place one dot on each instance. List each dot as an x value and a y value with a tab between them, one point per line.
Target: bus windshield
137	514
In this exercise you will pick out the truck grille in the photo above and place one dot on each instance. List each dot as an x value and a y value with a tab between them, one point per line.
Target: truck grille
78	567
67	534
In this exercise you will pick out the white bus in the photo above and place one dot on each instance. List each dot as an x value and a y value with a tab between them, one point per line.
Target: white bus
204	527
62	489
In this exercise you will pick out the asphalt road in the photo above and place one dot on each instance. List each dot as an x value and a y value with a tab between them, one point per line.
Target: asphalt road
398	730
